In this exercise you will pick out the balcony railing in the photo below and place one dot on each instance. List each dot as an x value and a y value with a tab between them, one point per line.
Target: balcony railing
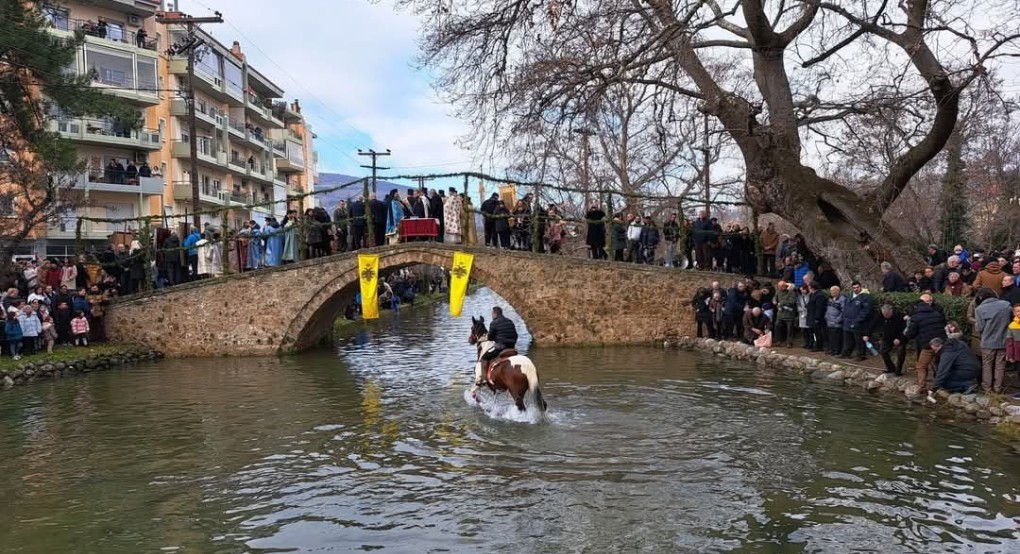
139	39
107	131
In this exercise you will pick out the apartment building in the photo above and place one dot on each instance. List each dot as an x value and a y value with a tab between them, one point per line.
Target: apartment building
252	145
122	48
296	161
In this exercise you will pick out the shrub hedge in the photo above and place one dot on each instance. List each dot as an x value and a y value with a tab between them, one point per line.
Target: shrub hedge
954	307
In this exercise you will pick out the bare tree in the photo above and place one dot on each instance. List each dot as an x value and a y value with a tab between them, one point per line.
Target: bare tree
778	76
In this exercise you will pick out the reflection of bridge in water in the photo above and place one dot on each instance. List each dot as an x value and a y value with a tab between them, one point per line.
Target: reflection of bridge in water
563	300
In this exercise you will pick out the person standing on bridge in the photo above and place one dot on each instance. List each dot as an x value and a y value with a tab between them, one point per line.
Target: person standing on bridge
341	220
358	223
453	209
379	210
489	208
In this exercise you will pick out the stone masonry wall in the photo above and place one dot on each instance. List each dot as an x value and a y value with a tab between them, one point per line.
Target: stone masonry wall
563	301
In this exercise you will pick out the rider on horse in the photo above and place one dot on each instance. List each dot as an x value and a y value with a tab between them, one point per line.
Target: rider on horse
502	332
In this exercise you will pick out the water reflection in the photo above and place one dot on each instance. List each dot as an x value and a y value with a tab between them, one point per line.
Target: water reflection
372	445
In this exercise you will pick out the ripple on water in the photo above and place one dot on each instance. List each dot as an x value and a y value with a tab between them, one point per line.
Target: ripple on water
378	445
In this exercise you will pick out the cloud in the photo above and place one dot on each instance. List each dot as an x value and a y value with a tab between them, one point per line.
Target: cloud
352	68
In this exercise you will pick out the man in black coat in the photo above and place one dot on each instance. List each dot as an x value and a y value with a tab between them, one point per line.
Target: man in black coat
958	369
379	209
488	208
891	325
926	323
357	219
172	258
502	332
436	211
818	303
596	235
892	281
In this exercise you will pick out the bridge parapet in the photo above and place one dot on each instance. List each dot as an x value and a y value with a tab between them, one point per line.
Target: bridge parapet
563	301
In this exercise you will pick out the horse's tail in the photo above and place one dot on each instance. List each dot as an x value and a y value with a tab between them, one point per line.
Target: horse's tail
532	374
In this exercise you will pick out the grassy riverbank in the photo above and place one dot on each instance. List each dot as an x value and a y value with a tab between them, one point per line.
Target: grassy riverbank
64	354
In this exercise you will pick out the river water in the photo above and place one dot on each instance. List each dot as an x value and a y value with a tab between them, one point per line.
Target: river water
372	445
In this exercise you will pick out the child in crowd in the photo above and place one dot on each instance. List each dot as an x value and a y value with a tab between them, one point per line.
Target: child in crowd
13	331
49	333
80	329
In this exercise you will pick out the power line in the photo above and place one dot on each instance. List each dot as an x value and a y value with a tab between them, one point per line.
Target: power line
254	45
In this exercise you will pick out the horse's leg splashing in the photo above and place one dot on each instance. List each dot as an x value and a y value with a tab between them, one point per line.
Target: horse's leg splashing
477	383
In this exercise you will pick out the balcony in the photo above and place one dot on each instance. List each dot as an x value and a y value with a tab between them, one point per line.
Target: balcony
106	133
240	199
206	156
123	71
206	194
261	110
205	82
286	165
236	127
264	177
66	228
179	108
95	181
141	8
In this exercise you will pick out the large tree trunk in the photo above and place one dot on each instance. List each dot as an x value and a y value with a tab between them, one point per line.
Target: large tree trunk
836	223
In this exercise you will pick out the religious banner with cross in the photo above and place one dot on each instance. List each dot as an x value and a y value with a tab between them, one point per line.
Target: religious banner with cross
459	275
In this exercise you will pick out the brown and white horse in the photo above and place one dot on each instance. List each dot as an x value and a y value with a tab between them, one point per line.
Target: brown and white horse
515	373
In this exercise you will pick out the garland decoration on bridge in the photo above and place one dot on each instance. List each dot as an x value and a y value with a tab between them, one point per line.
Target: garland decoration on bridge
230	241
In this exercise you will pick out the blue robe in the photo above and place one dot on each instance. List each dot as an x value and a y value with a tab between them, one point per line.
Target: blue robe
396	214
255	249
274	246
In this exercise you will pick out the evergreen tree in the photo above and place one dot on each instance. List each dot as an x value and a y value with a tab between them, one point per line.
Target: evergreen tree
37	81
953	213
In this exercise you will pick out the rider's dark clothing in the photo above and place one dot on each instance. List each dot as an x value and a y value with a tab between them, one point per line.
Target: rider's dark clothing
503	333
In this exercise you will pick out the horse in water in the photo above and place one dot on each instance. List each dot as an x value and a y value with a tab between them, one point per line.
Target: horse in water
509	371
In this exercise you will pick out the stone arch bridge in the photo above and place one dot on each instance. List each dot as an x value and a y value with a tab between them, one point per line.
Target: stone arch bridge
563	301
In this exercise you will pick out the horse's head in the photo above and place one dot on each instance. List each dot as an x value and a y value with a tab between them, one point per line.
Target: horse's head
478	330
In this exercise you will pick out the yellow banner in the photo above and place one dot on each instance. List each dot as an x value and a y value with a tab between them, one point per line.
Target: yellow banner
459	275
368	275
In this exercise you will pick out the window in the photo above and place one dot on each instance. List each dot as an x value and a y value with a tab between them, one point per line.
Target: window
208	61
56	16
7	204
145	69
115	31
113	68
234	78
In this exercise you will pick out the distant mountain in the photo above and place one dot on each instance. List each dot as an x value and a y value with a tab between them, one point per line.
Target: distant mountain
331	199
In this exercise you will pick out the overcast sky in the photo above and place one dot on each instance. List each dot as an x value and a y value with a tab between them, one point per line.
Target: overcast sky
351	66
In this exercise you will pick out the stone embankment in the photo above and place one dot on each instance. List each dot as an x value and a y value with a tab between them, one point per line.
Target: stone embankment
28	372
990	408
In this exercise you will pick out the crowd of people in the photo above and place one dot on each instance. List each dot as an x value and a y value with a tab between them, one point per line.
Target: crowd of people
852	323
47	303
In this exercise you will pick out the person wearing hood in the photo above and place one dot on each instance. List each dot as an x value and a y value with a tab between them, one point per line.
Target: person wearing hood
856	321
992	316
958	368
990	277
172	258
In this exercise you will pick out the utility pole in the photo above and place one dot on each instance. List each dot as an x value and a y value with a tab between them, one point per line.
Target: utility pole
191	43
586	134
369	225
373	167
705	150
421	182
